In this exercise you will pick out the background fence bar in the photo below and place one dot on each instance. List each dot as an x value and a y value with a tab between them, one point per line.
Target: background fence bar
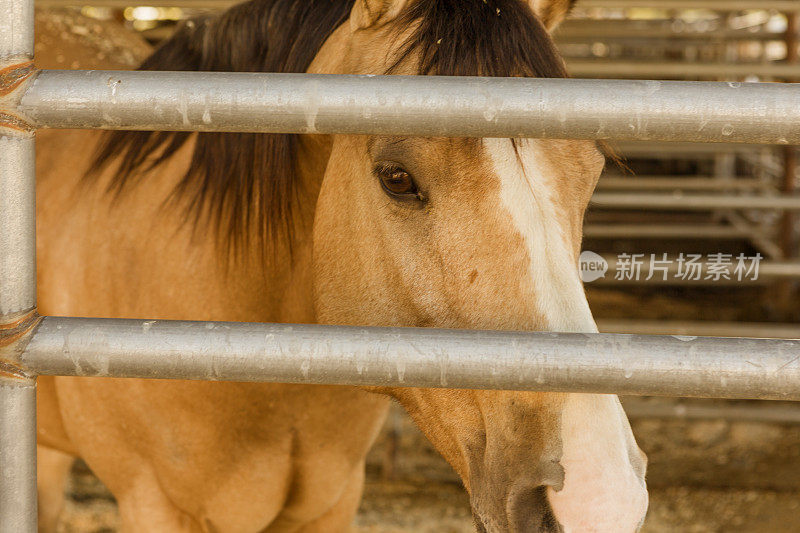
592	68
693	202
417	105
732	5
410	357
679	183
663	231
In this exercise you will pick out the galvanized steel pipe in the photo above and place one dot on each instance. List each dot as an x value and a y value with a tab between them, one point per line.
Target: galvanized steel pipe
17	454
410	357
17	274
416	105
16	30
17	226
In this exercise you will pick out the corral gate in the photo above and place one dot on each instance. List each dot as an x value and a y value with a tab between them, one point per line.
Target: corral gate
399	105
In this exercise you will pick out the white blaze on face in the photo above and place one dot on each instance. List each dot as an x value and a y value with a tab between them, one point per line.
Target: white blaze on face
528	195
603	491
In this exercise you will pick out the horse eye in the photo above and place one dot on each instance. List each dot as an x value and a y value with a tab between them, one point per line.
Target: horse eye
397	182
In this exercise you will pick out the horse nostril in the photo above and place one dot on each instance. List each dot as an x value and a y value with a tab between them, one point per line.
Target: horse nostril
529	512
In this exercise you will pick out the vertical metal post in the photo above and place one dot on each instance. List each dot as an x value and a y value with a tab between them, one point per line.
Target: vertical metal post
789	153
17	454
17	227
17	185
17	274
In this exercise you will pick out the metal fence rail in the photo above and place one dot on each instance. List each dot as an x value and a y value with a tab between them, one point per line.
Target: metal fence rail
711	112
412	357
416	105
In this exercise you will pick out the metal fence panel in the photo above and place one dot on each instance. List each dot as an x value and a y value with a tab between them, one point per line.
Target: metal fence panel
17	277
429	106
417	105
418	357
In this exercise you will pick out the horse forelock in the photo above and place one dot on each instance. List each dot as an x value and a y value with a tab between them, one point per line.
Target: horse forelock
476	38
500	38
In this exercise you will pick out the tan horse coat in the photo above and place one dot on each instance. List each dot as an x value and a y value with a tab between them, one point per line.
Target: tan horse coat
490	248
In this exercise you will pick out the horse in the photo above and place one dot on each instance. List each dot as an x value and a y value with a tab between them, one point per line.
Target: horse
333	229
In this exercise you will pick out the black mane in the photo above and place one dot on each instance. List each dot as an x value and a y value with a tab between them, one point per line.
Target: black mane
240	181
246	181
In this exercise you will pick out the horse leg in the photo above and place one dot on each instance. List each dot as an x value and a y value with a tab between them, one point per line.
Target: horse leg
340	517
52	468
143	506
54	455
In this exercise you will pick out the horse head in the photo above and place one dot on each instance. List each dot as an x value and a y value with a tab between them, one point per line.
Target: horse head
480	234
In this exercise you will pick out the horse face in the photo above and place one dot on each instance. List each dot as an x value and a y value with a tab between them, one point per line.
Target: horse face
483	234
480	234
